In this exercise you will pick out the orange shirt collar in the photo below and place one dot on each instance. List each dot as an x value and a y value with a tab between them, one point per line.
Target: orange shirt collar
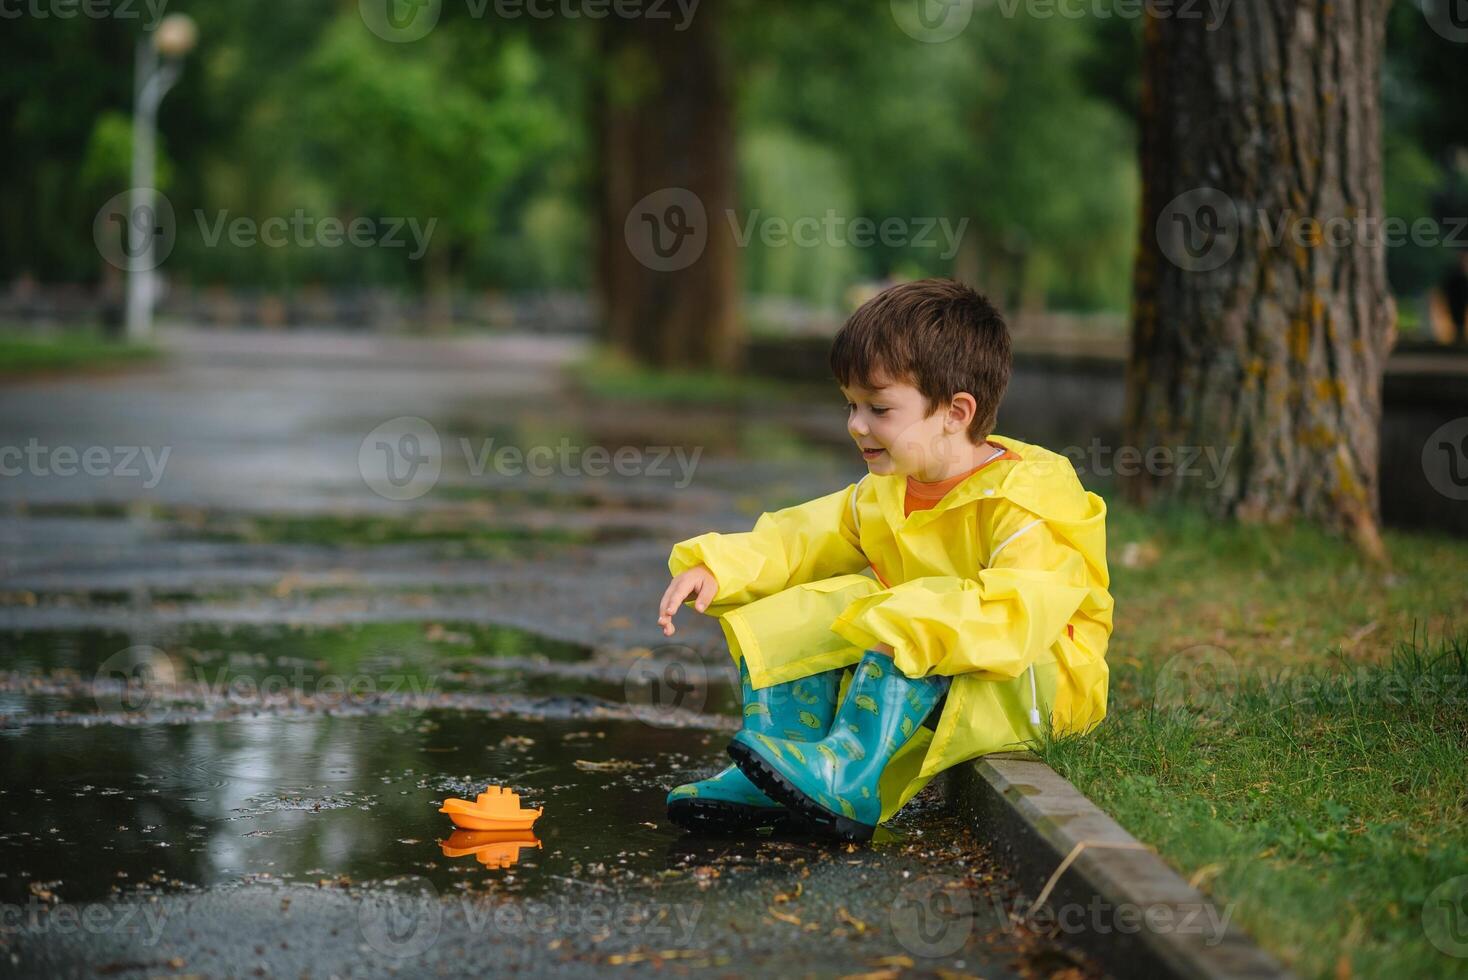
922	496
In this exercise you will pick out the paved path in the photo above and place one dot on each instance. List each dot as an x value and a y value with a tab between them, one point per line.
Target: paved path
237	676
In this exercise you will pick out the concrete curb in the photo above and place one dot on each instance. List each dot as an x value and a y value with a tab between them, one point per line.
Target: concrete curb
1114	897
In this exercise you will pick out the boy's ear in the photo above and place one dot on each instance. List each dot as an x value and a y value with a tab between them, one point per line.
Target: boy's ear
962	409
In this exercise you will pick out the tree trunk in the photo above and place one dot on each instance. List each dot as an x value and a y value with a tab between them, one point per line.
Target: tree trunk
1256	331
438	292
667	269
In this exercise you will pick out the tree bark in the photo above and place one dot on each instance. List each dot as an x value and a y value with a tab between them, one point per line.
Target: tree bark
665	122
1275	353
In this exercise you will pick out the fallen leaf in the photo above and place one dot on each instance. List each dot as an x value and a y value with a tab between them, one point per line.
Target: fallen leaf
615	765
784	897
851	920
900	962
1139	554
785	916
1205	874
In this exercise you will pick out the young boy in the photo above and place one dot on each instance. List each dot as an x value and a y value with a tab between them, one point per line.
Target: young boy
987	614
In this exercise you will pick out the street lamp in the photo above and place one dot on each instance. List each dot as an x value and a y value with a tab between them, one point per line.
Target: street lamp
159	64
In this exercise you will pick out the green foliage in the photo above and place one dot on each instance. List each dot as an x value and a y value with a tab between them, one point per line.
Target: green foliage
1411	179
404	131
107	163
608	374
383	131
997	125
786	177
1022	125
1424	116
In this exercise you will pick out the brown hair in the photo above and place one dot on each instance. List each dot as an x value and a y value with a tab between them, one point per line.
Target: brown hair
937	335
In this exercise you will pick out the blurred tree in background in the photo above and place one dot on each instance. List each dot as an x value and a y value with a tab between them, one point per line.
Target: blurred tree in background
665	131
498	129
442	131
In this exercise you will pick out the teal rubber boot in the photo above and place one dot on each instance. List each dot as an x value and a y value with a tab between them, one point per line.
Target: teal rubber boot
832	783
797	711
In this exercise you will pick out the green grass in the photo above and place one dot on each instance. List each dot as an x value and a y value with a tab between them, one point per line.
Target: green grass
609	375
1273	595
1287	734
22	353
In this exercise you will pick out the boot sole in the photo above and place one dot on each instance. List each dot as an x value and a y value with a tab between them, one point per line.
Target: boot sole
781	790
722	817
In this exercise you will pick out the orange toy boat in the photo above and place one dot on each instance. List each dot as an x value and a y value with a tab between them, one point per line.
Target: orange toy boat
493	848
495	809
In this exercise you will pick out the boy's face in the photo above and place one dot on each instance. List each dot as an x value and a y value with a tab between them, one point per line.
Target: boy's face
891	425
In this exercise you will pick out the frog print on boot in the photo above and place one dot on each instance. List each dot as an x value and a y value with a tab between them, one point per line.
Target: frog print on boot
798	711
834	787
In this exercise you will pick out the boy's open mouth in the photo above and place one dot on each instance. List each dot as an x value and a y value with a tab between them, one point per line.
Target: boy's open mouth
872	453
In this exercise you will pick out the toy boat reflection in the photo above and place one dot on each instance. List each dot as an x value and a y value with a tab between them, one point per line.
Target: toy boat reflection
493	848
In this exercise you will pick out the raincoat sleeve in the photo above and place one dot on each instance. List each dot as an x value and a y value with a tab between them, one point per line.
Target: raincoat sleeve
799	544
996	624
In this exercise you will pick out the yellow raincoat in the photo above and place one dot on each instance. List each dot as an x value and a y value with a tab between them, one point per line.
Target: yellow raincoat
1001	585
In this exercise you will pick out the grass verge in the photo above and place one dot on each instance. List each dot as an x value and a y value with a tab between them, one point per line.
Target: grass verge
608	374
23	353
1280	749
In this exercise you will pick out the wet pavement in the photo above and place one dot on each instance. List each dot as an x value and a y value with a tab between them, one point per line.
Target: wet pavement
232	701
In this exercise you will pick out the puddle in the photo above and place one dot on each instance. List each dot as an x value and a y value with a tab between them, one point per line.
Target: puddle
96	812
468	531
246	646
482	494
100	811
85	598
386	666
457	534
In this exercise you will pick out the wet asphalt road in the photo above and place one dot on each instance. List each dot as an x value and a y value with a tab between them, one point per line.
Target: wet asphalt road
244	656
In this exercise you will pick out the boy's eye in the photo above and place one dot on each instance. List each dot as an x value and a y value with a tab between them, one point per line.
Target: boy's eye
878	411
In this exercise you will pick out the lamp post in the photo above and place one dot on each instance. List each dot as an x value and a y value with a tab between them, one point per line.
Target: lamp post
159	64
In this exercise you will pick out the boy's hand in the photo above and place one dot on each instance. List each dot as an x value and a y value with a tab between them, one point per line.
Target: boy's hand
697	581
